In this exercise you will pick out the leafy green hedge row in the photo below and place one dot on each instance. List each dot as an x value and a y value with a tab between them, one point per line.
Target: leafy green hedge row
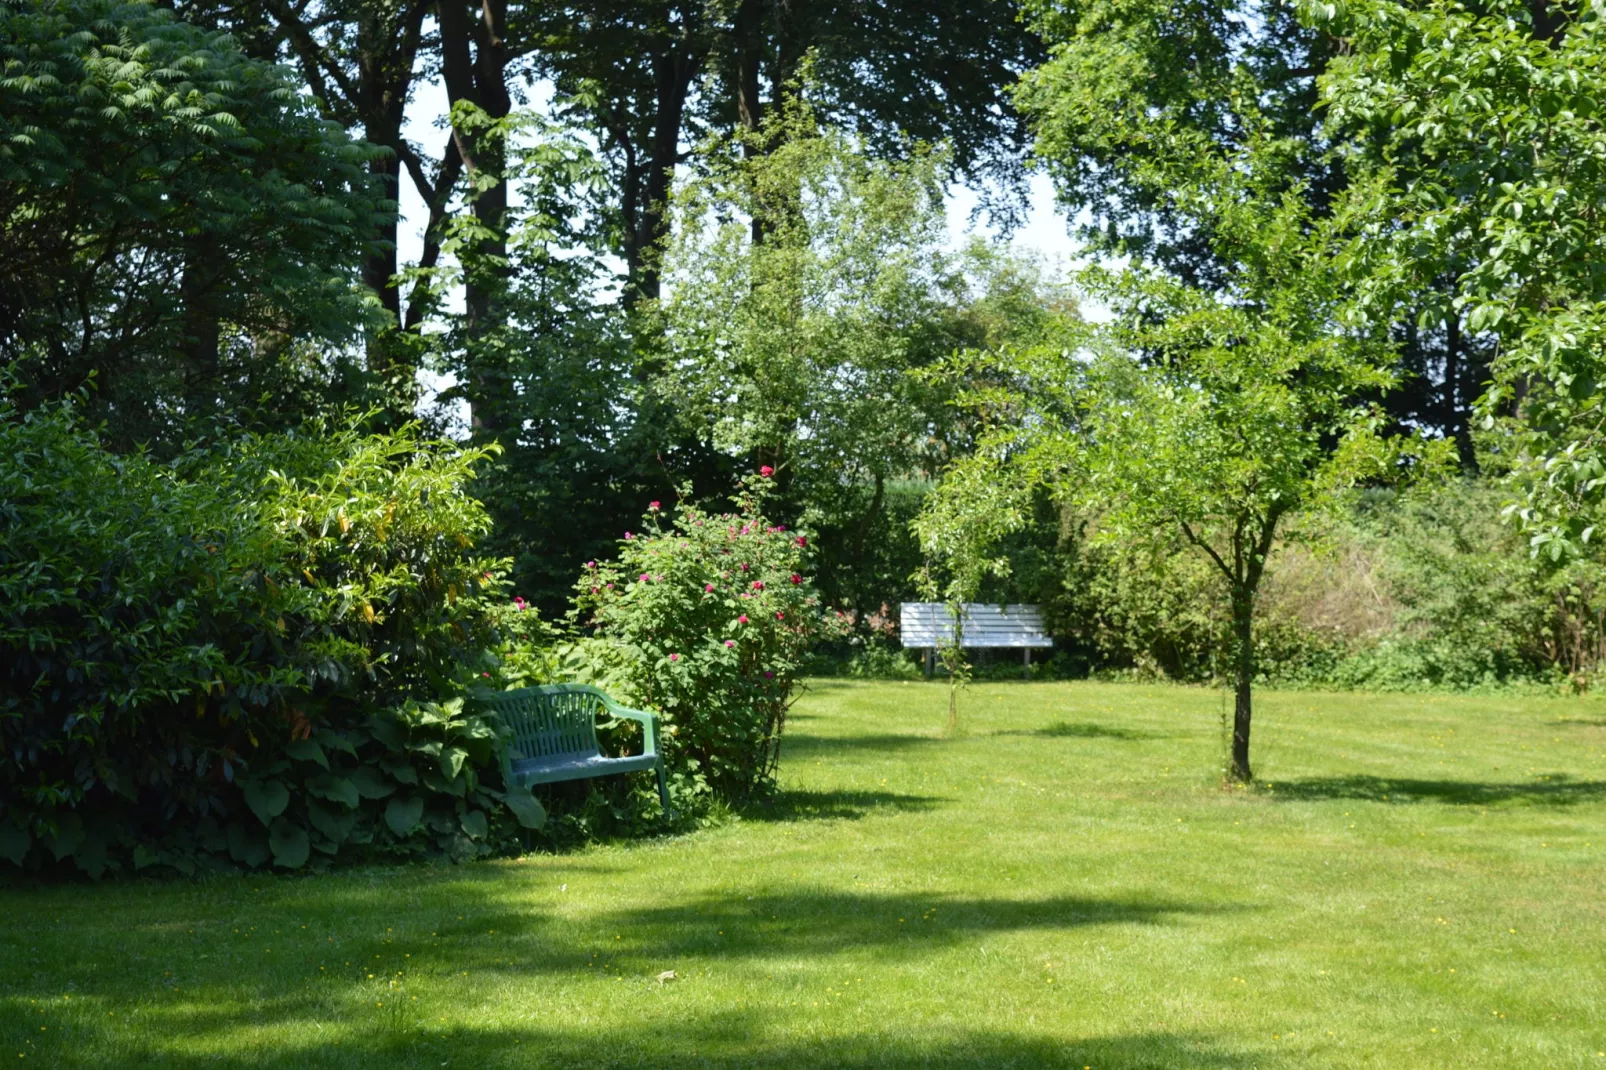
216	658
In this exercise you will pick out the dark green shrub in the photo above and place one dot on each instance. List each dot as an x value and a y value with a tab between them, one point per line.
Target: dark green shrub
169	633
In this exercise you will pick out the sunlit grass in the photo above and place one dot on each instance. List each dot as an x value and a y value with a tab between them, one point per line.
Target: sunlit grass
1418	882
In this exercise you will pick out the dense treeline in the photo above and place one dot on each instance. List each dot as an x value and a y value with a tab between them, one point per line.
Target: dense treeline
1336	421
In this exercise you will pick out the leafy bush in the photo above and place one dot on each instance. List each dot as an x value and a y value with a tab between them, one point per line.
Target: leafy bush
710	617
170	633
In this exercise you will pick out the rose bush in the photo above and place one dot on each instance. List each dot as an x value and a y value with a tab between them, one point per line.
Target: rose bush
710	615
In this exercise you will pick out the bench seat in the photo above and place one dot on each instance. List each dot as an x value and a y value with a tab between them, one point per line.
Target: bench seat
554	730
528	771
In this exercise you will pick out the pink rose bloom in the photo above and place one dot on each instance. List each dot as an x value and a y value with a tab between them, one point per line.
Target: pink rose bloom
744	566
519	604
758	585
779	615
796	579
708	588
674	657
730	642
645	577
591	564
742	619
802	540
766	471
628	535
652	507
768	675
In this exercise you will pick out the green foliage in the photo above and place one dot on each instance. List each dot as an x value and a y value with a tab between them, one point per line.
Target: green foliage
555	376
1480	135
1134	89
1206	416
793	346
807	283
168	631
176	218
710	618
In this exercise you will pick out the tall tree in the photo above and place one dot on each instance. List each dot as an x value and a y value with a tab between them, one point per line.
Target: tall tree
628	71
1481	134
800	347
163	194
634	73
359	58
1132	85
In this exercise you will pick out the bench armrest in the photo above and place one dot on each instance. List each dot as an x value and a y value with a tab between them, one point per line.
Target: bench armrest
649	725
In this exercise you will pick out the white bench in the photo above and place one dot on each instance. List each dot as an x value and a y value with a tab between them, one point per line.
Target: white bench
929	625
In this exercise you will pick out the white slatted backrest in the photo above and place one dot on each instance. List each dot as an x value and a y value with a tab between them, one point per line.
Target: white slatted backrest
925	625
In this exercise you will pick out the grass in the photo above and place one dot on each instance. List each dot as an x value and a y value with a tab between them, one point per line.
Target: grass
1418	882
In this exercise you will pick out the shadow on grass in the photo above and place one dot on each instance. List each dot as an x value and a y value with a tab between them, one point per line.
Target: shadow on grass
1582	722
801	804
719	1041
640	939
804	746
311	973
1082	730
823	922
1555	789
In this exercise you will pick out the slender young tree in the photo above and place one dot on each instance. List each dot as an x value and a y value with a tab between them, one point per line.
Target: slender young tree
1210	416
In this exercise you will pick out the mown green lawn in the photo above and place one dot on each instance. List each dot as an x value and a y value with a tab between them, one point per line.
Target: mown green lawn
1419	882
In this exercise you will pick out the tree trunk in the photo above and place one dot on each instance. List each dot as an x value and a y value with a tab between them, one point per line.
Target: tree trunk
748	30
366	81
1457	421
674	69
1243	623
202	332
474	58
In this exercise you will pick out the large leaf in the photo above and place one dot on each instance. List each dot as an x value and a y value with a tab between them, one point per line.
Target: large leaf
527	809
457	786
91	854
371	783
337	741
247	844
403	814
289	844
333	821
69	834
13	843
475	825
401	769
307	750
459	847
389	731
267	799
452	759
334	788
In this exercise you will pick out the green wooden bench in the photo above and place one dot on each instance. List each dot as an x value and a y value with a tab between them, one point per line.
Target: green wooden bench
555	736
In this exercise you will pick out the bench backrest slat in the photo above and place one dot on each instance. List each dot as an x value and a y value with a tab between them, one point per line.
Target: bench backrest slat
925	625
556	721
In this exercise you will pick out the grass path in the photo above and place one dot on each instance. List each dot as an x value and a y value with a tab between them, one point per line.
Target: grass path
1420	883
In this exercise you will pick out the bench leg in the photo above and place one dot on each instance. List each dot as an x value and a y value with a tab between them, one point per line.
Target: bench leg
663	791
